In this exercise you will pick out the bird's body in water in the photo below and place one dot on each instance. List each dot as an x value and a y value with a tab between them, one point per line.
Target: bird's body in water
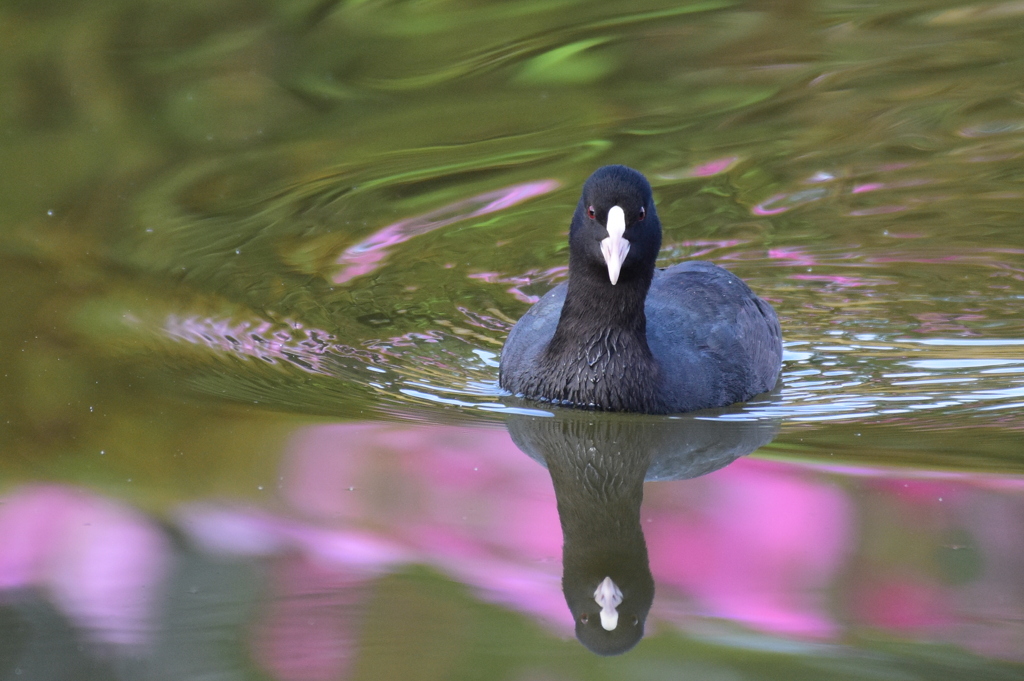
622	336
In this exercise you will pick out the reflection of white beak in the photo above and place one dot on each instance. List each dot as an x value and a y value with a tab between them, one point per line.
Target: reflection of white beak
615	248
608	597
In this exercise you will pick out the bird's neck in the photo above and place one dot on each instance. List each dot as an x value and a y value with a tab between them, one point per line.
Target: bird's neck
593	302
598	356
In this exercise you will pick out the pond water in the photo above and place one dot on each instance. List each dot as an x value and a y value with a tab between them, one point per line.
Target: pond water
258	259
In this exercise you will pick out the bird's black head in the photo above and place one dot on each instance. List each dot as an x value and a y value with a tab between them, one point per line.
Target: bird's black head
602	634
615	233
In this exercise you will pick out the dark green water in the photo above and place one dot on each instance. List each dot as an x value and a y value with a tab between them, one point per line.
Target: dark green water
257	261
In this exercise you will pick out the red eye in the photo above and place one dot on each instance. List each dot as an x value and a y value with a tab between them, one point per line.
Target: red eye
591	213
643	214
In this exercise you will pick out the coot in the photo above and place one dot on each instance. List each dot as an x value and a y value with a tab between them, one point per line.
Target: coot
622	336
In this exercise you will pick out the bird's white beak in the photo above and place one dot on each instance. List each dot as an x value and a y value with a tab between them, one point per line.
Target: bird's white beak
614	248
608	596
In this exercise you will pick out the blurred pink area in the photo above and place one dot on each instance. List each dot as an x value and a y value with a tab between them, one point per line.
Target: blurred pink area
852	182
550	276
309	629
100	562
462	499
719	165
368	254
705	169
803	551
903	602
288	342
762	548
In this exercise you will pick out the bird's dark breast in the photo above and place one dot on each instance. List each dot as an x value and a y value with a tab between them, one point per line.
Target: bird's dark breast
709	342
608	370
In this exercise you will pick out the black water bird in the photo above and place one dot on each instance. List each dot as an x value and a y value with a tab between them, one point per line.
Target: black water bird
622	336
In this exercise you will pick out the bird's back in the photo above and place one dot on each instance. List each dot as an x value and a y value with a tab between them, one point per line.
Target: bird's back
716	343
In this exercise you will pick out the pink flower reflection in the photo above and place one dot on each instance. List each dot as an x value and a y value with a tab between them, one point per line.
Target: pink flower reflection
762	550
100	562
465	500
365	256
780	203
273	343
878	210
793	255
309	631
719	165
549	276
907	603
706	169
785	201
772	206
840	281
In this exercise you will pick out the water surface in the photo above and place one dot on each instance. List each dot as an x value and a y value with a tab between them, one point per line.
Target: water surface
258	261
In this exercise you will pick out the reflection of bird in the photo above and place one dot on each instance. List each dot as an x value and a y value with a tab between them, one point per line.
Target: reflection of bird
621	336
598	482
598	463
